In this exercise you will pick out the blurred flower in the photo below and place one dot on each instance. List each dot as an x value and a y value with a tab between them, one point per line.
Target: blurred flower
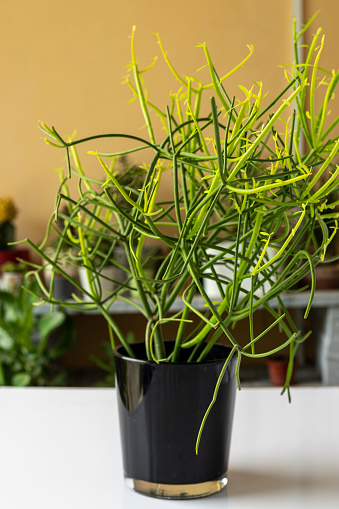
8	210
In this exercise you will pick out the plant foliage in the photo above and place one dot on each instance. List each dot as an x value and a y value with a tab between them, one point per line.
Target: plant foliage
26	350
241	187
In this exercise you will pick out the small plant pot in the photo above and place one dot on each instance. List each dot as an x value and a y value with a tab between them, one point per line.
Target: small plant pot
12	255
11	281
277	370
225	271
63	289
105	281
161	407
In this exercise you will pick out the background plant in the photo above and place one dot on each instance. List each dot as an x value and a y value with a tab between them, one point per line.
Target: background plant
238	175
27	349
8	213
14	267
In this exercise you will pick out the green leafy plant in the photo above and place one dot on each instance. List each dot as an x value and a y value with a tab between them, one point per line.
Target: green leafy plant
238	175
14	267
26	352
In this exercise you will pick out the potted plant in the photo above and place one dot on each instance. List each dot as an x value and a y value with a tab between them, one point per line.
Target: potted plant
57	284
12	275
238	177
94	273
8	212
28	348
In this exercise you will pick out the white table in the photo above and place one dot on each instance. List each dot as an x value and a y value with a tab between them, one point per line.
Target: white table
59	449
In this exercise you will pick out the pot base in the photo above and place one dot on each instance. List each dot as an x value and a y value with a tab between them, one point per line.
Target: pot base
177	491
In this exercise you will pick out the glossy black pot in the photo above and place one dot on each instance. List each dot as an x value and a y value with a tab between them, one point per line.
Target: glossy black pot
161	407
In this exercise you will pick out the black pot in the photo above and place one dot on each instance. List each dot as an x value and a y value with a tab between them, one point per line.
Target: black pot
161	407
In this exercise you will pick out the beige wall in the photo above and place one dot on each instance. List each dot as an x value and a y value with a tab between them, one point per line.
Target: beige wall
63	63
327	19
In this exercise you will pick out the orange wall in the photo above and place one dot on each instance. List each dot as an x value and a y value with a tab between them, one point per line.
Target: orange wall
63	63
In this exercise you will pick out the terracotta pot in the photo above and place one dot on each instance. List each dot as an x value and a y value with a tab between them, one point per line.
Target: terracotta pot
277	369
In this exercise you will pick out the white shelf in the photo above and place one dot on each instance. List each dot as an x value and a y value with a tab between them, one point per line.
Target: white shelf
322	299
